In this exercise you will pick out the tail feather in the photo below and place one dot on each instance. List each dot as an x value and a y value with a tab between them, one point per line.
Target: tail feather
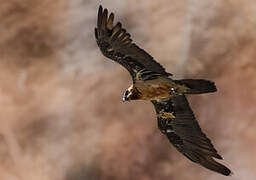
197	86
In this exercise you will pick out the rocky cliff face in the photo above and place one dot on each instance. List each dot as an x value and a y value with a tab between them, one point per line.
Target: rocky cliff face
60	99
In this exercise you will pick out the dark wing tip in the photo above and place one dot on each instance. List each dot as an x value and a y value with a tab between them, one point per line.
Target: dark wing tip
99	20
111	16
227	172
105	12
100	10
110	21
100	7
104	19
96	33
215	166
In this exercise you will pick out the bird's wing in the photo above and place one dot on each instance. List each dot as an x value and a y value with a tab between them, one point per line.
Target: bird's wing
116	44
177	122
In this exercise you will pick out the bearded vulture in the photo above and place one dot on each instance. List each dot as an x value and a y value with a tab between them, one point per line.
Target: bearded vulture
151	82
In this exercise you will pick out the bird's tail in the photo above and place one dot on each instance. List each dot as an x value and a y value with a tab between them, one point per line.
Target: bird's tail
197	86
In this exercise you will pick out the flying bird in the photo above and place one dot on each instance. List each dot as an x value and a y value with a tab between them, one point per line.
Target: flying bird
151	82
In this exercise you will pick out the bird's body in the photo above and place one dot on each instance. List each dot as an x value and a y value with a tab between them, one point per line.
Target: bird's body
151	90
151	82
159	88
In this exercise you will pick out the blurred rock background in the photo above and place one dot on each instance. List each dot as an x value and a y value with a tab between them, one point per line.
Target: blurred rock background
60	100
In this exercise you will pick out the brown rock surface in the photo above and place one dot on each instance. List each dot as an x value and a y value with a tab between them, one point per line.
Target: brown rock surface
60	99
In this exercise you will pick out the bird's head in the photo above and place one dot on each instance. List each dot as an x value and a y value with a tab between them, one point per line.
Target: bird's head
131	94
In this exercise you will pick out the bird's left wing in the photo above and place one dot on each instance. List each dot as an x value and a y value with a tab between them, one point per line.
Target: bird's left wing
116	44
177	122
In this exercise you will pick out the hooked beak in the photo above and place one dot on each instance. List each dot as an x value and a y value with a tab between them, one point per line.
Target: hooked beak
124	98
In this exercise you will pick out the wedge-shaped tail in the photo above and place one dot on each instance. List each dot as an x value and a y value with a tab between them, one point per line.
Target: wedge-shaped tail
197	86
176	120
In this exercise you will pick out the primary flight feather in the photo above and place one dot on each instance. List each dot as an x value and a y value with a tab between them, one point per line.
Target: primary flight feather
151	82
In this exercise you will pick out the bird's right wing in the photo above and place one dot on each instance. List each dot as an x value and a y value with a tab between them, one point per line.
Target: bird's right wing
177	122
116	44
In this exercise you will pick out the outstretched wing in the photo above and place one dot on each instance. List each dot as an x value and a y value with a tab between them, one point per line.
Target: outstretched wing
177	122
116	44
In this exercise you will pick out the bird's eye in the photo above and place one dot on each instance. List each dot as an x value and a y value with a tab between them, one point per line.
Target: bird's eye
126	93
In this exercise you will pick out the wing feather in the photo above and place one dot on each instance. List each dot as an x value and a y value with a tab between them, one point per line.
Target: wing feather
116	44
184	132
110	21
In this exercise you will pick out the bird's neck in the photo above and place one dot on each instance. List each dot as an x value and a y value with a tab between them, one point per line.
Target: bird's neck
136	95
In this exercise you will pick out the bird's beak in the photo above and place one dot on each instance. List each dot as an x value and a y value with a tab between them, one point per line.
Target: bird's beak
124	98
